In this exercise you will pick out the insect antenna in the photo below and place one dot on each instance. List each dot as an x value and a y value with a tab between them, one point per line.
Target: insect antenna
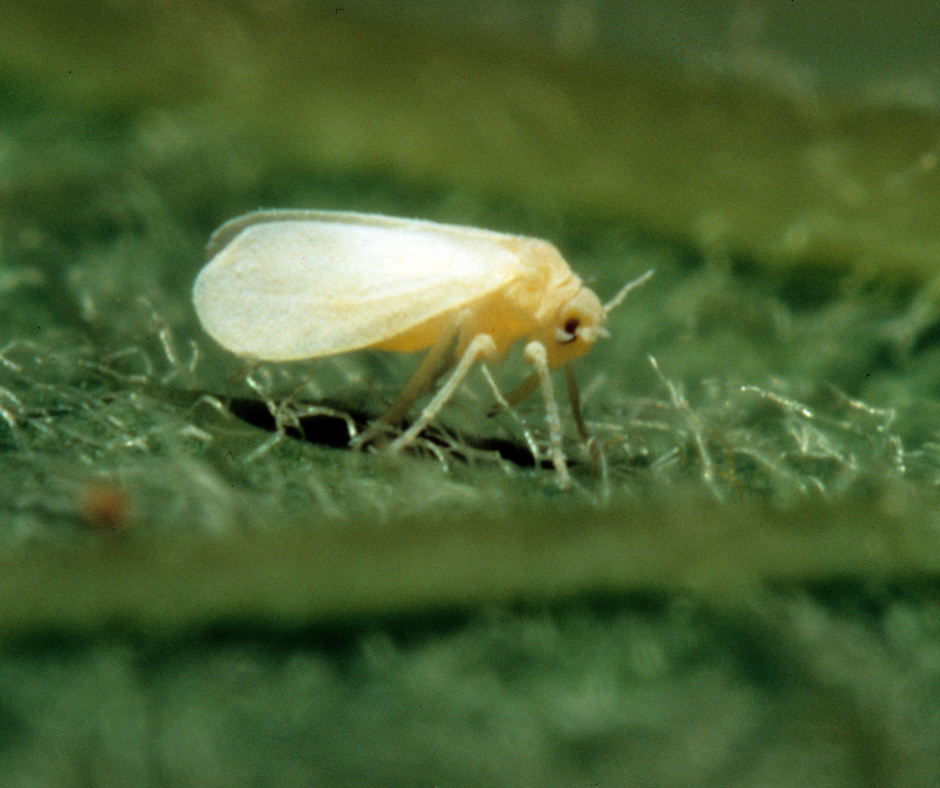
625	290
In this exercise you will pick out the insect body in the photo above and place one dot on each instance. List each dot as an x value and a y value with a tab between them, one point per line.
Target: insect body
289	285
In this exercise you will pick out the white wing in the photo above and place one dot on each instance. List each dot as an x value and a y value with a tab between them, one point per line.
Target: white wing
284	285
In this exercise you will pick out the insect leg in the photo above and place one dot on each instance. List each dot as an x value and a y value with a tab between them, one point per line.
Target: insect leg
536	355
574	397
482	346
438	360
503	406
591	447
521	392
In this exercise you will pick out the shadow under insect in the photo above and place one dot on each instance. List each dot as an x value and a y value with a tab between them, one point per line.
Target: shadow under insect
335	426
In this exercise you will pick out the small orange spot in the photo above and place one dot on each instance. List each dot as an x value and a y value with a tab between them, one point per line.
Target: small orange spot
105	506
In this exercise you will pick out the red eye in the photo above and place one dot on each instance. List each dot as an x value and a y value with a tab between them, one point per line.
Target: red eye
568	331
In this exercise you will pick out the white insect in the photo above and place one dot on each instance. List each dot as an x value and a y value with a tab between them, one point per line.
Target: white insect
289	285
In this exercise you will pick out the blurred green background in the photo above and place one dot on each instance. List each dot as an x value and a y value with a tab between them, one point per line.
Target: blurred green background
741	587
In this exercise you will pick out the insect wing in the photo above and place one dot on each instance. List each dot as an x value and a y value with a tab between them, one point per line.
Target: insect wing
285	285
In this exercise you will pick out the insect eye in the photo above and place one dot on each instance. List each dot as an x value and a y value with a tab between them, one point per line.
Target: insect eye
568	331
